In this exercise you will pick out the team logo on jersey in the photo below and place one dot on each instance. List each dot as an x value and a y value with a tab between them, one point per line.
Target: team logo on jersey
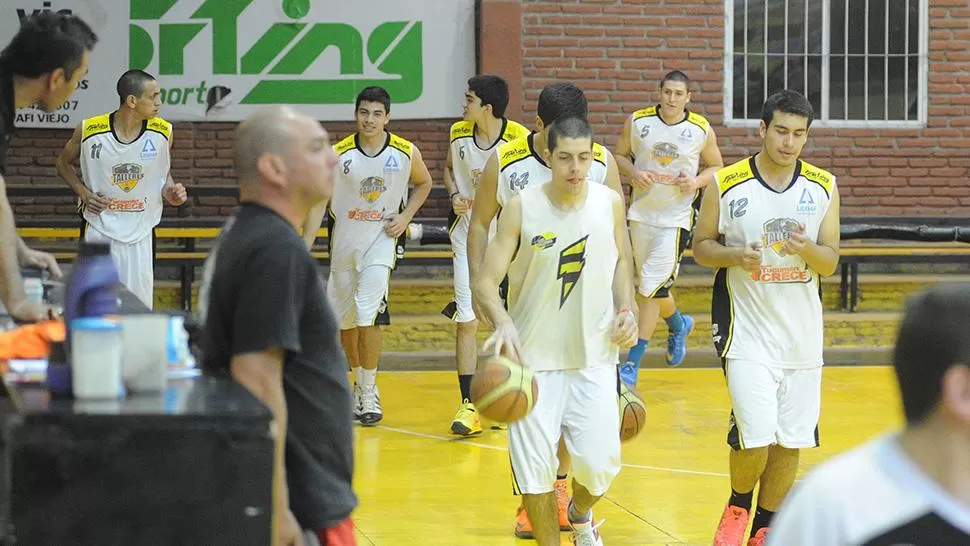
572	260
392	165
518	181
686	134
371	189
776	233
148	151
806	204
126	176
476	176
664	153
544	240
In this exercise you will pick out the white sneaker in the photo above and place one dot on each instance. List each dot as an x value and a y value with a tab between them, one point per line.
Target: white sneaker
370	411
586	534
358	407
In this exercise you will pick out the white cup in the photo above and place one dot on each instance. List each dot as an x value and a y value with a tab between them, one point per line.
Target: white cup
144	352
96	358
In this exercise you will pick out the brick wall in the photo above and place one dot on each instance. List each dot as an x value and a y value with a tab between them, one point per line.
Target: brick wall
617	51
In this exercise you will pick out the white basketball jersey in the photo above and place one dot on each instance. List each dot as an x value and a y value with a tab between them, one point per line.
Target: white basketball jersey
468	160
774	316
366	190
130	175
666	150
521	165
561	282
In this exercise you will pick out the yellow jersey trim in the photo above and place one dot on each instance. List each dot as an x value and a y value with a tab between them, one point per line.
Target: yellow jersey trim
161	127
599	153
819	176
462	129
95	126
344	145
514	130
698	120
400	144
645	113
513	151
734	175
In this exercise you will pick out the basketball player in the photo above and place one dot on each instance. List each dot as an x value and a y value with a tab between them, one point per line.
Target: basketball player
473	140
268	324
908	487
660	150
125	159
369	216
42	65
778	218
569	297
515	166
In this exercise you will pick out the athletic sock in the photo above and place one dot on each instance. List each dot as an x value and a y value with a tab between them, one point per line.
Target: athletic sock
368	377
741	500
576	517
675	322
762	518
465	384
637	352
358	376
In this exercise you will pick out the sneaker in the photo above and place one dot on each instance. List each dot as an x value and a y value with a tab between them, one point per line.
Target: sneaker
562	499
759	538
628	372
370	406
523	527
731	528
587	534
466	422
357	402
677	342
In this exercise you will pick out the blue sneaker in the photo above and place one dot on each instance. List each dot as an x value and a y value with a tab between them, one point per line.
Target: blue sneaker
677	342
628	373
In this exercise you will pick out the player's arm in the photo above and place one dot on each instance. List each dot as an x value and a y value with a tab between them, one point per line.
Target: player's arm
13	253
708	250
496	262
449	177
624	151
711	160
823	256
65	163
421	180
174	193
484	210
613	181
623	296
313	222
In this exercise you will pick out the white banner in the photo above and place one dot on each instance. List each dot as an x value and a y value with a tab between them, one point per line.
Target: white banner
219	60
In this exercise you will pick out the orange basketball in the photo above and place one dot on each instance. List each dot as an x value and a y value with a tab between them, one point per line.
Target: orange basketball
633	412
503	390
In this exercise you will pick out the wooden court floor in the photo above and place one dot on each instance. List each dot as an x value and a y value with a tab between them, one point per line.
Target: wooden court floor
418	486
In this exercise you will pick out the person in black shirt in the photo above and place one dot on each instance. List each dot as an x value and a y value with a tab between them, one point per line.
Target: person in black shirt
43	65
267	322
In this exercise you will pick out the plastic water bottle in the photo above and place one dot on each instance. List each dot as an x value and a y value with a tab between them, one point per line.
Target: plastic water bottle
92	289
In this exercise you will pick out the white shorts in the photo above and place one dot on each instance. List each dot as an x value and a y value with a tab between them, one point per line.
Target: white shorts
360	297
135	263
581	406
460	310
656	256
773	405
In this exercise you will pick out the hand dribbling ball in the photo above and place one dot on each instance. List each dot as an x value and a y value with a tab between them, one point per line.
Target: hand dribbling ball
633	412
504	391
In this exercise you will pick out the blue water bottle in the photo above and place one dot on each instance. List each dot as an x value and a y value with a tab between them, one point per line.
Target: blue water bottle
91	291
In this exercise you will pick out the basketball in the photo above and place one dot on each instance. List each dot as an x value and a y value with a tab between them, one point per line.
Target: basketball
633	412
504	391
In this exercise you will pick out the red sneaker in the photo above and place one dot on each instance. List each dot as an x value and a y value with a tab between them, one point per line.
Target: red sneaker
731	528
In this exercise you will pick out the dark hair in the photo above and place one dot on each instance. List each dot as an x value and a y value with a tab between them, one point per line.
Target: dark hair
571	127
787	102
675	76
492	90
47	41
934	335
374	94
560	100
133	82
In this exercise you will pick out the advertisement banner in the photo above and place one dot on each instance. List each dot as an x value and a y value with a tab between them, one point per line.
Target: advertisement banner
219	60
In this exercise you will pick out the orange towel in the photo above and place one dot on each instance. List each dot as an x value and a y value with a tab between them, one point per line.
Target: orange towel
31	340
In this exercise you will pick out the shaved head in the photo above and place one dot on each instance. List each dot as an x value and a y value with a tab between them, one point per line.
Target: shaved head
268	131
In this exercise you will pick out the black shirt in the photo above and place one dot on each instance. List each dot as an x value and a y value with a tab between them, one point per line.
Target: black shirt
8	113
264	291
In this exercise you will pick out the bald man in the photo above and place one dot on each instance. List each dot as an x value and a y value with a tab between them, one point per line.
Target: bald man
268	324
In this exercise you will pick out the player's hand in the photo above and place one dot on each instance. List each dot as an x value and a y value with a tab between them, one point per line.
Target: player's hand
625	329
28	311
751	257
687	184
481	316
175	194
95	202
796	241
643	180
396	224
505	339
461	204
289	532
41	260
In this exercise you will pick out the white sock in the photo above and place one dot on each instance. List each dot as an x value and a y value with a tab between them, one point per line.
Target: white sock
368	378
358	378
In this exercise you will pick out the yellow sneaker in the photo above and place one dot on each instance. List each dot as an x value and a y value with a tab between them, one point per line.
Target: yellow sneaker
467	422
562	499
